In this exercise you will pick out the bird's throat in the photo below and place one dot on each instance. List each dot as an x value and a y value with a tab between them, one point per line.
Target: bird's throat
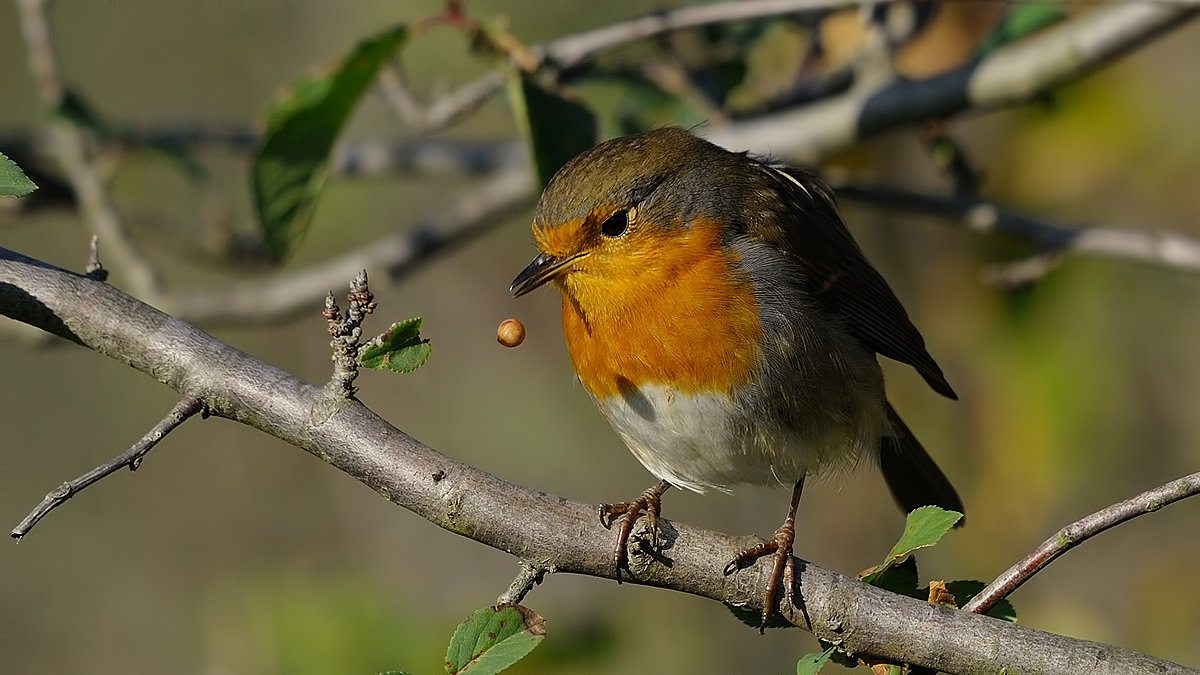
689	322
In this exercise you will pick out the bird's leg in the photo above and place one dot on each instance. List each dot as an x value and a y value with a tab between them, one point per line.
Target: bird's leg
650	502
781	546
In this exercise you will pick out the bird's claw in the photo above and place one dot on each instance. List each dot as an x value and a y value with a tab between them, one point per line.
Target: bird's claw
626	513
782	568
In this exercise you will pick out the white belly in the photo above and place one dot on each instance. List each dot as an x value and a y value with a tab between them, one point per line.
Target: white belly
703	441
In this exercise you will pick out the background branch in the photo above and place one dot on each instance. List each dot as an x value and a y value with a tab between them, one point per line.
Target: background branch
1164	249
1009	76
69	148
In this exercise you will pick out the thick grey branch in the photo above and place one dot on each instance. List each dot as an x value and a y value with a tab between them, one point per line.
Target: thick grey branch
547	532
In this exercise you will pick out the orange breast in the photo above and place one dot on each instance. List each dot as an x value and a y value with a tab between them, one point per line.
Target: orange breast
682	315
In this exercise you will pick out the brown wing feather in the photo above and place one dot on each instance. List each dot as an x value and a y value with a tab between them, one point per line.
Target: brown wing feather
847	284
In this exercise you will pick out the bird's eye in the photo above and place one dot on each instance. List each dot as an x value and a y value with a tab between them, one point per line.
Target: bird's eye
616	224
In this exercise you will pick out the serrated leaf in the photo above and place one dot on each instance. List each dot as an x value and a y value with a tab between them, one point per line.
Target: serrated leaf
494	638
13	181
811	664
400	349
924	527
555	128
965	589
302	123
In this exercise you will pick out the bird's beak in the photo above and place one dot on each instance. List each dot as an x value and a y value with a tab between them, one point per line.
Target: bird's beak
543	268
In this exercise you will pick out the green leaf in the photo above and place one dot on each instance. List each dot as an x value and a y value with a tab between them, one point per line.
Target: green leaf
556	129
493	639
924	527
965	589
400	348
13	181
811	664
302	124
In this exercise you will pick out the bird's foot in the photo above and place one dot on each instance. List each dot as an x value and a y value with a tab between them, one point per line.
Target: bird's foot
784	566
782	569
626	513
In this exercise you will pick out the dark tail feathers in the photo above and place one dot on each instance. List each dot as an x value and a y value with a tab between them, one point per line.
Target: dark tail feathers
912	476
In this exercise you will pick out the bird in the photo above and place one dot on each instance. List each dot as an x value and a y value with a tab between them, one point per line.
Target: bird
725	322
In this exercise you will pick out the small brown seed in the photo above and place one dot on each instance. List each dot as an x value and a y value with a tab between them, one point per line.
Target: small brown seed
511	333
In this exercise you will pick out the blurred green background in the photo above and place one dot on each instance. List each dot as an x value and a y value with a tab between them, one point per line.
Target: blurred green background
231	552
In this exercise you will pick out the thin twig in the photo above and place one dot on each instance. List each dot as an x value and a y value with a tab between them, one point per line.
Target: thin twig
185	408
1078	532
571	50
95	269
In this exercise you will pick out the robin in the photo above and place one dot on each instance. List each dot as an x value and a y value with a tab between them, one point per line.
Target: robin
725	322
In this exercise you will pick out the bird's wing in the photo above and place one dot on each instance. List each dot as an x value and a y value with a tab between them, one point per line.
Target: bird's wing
843	280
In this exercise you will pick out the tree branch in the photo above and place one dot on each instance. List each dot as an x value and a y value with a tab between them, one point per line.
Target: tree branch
549	533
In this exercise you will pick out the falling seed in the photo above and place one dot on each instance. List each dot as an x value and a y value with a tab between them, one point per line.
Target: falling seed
511	333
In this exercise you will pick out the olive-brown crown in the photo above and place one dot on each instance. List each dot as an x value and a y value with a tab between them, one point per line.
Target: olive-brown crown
669	175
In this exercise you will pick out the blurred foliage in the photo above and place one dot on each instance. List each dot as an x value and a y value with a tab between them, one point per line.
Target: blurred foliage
230	552
555	128
302	124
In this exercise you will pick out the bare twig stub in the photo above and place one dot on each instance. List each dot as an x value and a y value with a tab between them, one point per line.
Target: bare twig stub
132	458
347	333
527	578
1078	532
